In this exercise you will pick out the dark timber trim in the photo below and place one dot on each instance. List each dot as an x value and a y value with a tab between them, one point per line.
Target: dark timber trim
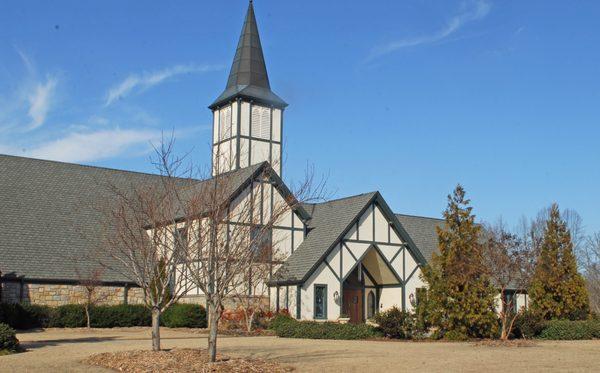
395	255
298	301
404	280
341	279
377	242
249	133
239	133
332	270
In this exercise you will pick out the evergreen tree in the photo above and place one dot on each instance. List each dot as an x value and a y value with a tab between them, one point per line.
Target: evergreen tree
460	294
558	290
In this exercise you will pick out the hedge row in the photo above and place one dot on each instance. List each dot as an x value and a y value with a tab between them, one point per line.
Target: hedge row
571	330
27	316
287	327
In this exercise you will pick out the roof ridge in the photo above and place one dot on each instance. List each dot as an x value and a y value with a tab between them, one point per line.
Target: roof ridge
344	198
418	216
82	165
116	169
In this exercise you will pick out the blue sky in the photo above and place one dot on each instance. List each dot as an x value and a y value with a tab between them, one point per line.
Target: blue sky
405	97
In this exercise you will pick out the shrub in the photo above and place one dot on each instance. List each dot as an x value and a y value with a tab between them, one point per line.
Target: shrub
528	325
37	316
24	316
68	316
184	316
279	319
455	335
120	316
262	319
571	330
27	316
11	314
232	319
290	328
395	323
8	339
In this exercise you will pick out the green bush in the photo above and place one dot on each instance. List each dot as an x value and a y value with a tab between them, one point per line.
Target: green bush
184	316
37	316
528	325
120	316
8	339
27	316
68	316
24	316
291	328
571	330
395	323
279	319
455	335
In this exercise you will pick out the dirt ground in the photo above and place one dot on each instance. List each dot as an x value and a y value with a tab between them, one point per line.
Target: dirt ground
61	350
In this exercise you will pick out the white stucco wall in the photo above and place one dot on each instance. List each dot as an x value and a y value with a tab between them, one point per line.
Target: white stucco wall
322	276
390	297
412	285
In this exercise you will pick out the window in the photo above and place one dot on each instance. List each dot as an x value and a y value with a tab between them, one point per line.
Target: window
261	122
510	301
260	241
225	123
370	305
320	302
181	242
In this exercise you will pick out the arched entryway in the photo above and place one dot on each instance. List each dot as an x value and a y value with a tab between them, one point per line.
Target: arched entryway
364	284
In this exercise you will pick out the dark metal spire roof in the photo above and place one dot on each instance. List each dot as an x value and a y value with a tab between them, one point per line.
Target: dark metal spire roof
248	77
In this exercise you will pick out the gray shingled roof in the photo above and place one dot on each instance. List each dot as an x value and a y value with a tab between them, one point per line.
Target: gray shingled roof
328	224
248	77
423	232
47	214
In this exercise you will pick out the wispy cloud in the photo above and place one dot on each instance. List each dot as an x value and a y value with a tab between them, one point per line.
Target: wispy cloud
94	146
472	10
27	107
40	100
137	82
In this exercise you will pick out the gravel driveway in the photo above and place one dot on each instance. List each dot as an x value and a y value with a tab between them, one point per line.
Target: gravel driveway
61	350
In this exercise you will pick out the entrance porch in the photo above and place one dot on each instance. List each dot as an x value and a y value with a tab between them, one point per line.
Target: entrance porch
371	279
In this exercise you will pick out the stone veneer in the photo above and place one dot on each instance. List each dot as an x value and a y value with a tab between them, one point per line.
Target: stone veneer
57	294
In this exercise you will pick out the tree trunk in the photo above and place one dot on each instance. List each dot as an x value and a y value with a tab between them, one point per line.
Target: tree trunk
155	329
249	321
87	316
213	324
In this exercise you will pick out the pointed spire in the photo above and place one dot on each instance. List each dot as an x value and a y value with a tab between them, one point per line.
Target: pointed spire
248	76
249	66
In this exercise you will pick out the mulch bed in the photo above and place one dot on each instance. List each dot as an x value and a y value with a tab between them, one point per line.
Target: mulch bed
509	343
179	360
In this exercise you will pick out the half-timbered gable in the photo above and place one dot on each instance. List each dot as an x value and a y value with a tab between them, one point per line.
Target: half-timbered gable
369	263
262	199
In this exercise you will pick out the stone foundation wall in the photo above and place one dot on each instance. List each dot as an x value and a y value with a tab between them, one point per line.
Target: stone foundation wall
58	294
229	303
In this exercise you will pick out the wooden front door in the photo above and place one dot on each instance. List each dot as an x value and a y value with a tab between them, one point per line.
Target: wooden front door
353	305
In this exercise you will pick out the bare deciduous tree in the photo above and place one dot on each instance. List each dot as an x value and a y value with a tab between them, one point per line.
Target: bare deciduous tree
193	231
510	263
590	258
251	295
141	239
91	282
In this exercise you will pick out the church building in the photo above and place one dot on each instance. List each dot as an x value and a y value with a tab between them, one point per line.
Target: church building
349	257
